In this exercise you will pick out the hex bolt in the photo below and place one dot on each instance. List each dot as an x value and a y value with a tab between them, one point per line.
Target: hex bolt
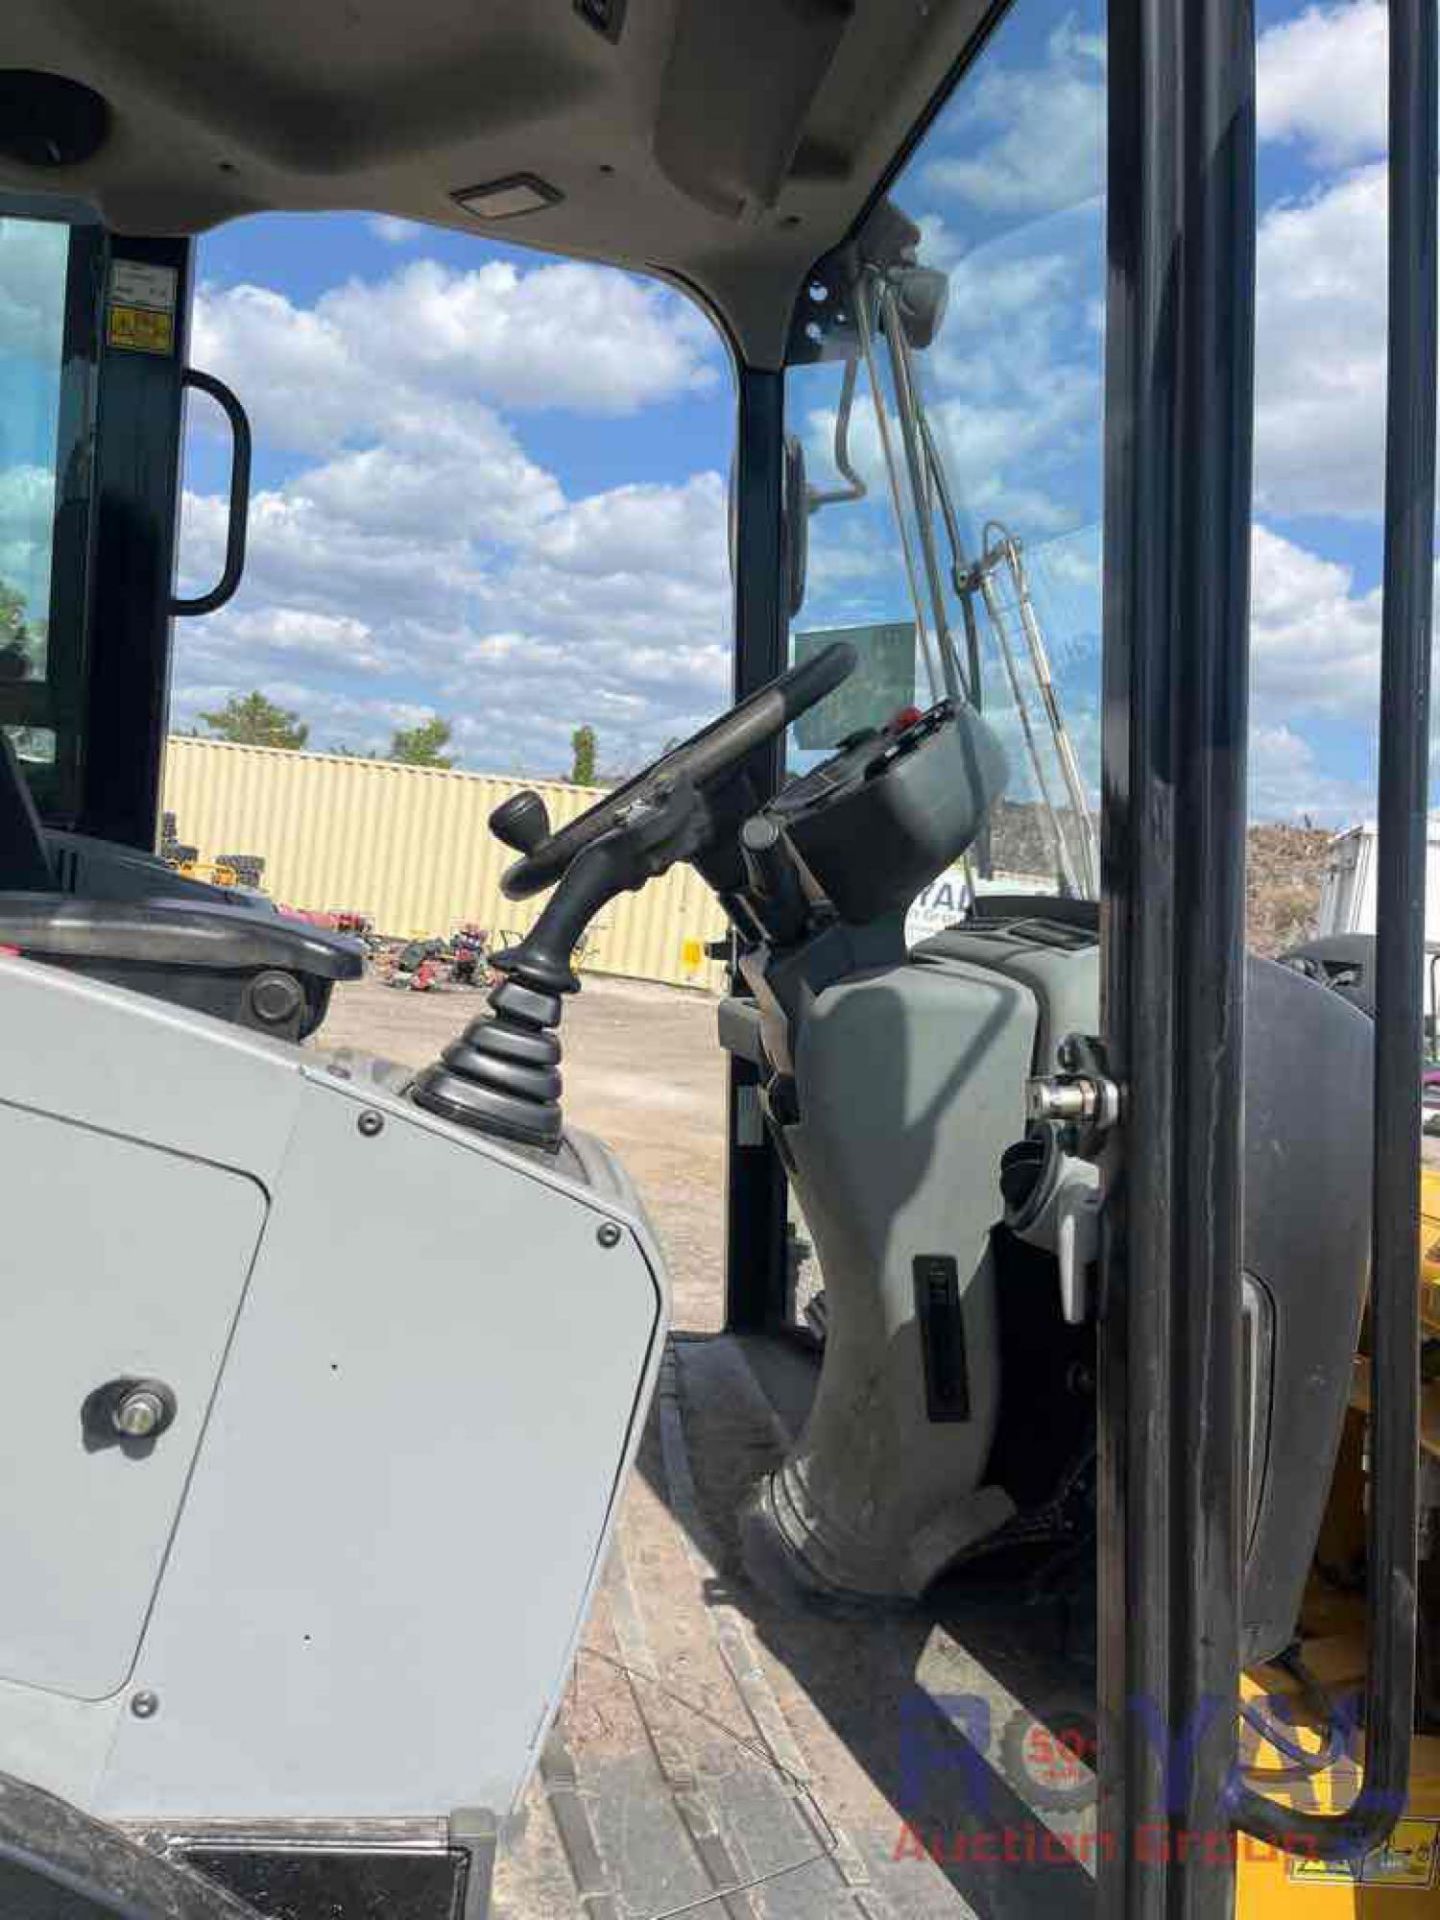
370	1123
140	1413
608	1235
144	1705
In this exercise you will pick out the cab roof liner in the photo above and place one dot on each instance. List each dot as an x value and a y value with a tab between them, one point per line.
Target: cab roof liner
727	146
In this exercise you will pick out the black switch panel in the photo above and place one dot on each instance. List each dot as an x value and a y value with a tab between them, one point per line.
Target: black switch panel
942	1336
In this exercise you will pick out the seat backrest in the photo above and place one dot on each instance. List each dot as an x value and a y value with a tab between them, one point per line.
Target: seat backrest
24	858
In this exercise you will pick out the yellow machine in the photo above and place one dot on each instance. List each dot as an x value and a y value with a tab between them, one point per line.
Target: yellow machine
1315	1699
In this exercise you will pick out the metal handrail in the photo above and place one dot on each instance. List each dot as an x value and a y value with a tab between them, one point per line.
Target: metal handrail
1006	548
239	508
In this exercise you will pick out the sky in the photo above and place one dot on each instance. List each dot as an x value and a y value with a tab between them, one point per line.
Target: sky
493	486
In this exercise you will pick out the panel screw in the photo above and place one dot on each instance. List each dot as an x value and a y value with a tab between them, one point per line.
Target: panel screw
370	1123
608	1235
145	1705
141	1413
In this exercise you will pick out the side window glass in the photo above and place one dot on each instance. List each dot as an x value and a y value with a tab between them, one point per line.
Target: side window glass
44	422
34	256
963	495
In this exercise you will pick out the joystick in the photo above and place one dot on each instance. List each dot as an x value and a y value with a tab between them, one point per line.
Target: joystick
502	1075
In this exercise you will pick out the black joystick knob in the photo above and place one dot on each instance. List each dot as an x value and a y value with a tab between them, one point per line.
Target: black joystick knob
521	822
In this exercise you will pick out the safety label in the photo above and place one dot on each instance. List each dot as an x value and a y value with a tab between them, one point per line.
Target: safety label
1408	1859
141	316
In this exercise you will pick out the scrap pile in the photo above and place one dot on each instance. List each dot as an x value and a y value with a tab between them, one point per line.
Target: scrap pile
436	963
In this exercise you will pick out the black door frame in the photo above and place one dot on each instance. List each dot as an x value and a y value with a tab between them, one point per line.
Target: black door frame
117	499
1179	343
137	493
756	1188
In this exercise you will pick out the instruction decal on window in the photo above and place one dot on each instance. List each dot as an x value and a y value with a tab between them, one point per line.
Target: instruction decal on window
141	308
1408	1859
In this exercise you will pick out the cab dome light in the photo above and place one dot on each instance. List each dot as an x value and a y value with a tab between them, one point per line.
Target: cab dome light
507	199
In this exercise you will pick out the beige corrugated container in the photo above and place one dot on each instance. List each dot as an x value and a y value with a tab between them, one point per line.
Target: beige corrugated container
410	847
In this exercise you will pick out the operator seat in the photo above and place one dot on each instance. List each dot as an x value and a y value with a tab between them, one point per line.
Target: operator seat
174	940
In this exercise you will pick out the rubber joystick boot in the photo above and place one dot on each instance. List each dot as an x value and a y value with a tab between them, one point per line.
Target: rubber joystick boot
502	1075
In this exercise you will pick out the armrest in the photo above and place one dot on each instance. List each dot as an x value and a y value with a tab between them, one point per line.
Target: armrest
173	933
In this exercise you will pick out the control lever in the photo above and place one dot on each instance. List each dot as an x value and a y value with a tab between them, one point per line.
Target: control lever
1053	1200
774	882
502	1075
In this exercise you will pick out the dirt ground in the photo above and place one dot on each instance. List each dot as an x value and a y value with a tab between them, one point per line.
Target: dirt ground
643	1069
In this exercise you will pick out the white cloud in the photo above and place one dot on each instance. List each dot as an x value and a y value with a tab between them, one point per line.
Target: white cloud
369	355
1322	81
272	639
1027	140
614	609
33	256
27	503
1024	140
1320	350
1315	642
642	529
422	554
394	231
463	477
1288	780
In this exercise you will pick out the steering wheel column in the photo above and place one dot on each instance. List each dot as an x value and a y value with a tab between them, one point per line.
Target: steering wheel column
503	1073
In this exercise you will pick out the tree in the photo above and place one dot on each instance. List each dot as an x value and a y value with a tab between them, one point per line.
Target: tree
422	746
12	612
18	636
582	762
250	720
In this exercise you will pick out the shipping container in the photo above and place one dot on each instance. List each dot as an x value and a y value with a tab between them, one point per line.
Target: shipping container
411	848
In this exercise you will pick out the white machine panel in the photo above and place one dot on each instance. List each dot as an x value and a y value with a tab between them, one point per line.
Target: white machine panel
120	1260
396	1518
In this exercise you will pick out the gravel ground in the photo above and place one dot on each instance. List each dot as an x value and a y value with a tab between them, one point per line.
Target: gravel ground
643	1069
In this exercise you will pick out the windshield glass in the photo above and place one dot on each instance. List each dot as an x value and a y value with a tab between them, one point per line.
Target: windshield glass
966	335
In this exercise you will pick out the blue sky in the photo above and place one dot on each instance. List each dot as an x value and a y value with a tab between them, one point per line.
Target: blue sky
1008	188
493	486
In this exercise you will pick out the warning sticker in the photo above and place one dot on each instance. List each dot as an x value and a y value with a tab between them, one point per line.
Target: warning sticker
141	331
141	316
1408	1859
